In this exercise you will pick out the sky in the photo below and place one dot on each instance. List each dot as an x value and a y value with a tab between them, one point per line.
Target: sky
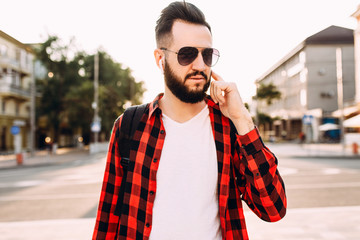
251	35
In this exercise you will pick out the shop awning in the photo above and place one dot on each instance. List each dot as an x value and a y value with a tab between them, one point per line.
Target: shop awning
353	122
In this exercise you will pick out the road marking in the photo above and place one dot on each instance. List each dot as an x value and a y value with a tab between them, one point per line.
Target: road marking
61	229
287	171
29	183
324	185
49	197
331	171
76	179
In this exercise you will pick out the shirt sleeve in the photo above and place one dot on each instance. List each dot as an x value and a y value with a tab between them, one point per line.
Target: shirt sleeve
258	178
106	222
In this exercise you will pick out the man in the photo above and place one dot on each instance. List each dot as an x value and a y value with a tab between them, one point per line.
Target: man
194	157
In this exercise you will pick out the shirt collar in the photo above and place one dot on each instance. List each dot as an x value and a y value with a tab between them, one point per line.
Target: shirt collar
154	105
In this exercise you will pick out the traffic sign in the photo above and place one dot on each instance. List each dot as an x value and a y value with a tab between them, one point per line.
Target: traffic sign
15	130
307	119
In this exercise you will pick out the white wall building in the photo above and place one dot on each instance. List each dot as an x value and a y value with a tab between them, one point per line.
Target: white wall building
307	80
16	78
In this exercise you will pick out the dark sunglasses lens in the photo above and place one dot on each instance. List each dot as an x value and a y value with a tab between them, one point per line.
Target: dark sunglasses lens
207	56
187	55
210	56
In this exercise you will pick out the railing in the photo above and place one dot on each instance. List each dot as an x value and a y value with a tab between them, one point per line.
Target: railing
6	87
15	64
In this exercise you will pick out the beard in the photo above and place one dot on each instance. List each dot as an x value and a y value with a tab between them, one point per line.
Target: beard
182	92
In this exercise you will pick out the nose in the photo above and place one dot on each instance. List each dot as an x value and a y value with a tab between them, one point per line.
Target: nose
199	64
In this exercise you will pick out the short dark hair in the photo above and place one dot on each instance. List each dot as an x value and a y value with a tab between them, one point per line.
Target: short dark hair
177	11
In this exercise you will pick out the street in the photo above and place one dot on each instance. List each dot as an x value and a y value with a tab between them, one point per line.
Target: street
323	201
59	201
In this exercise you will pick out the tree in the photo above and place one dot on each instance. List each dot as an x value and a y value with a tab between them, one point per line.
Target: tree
267	92
117	88
264	118
62	76
67	92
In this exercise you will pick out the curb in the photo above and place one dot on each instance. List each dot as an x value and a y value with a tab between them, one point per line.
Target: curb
47	160
352	157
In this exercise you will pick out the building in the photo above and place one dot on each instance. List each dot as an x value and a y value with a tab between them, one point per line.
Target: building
307	80
357	55
16	78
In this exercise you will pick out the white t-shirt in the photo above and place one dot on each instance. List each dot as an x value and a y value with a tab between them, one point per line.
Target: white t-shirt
186	202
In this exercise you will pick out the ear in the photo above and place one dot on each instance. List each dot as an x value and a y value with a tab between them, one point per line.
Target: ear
159	56
161	65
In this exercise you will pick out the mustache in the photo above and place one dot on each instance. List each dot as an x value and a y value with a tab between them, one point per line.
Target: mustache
196	73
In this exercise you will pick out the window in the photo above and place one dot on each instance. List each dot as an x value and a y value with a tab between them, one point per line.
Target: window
3	50
303	98
3	106
17	109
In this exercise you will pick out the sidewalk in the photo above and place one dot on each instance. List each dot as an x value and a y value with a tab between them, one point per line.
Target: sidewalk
43	157
315	150
280	149
325	223
336	223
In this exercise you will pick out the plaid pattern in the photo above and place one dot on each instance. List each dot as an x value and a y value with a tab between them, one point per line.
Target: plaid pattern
247	171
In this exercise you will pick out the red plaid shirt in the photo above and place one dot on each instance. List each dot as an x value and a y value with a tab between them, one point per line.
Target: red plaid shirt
247	171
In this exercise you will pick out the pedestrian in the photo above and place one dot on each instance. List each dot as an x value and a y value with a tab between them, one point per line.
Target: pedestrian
302	137
194	157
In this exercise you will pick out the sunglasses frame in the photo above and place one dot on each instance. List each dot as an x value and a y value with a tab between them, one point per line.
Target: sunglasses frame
202	53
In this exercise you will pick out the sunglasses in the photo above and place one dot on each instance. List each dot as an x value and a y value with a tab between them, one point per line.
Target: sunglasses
187	55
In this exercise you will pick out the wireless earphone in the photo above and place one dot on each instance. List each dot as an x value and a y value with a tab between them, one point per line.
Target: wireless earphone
161	65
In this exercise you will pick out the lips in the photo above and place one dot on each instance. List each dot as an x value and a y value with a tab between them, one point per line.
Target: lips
197	78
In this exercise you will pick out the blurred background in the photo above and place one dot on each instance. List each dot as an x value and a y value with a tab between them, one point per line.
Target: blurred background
68	69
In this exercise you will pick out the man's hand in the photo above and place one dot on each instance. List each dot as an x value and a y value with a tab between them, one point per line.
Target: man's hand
231	104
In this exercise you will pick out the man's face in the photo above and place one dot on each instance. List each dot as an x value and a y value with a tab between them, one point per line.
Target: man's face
183	92
188	83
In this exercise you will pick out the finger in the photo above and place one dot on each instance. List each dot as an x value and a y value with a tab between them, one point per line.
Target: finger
216	77
219	94
214	92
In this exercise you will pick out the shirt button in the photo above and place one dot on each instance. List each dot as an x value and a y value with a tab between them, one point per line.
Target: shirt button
155	160
147	225
151	193
162	131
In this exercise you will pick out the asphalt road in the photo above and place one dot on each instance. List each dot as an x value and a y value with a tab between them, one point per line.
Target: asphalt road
59	201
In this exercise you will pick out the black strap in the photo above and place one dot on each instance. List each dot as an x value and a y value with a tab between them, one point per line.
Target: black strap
129	123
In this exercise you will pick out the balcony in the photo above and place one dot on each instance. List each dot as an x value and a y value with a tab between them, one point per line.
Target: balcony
9	90
6	62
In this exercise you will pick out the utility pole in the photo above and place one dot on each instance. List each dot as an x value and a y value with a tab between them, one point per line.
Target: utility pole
340	94
96	98
32	111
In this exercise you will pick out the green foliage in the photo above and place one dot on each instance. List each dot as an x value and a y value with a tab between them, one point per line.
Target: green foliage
268	92
67	92
263	118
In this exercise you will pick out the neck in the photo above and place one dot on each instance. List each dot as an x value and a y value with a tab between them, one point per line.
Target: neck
176	109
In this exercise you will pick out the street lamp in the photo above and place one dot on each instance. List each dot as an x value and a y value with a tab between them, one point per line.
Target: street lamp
96	122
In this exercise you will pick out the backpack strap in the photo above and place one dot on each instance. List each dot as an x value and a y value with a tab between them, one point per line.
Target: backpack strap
129	123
